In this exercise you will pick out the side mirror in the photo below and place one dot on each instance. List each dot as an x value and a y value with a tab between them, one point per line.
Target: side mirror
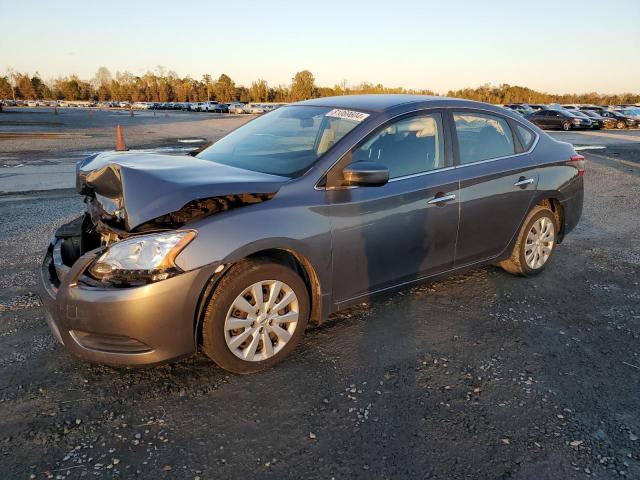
365	174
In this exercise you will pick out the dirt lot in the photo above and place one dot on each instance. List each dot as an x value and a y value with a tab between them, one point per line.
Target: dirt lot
483	375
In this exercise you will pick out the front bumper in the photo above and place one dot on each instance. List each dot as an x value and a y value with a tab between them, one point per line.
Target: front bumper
143	325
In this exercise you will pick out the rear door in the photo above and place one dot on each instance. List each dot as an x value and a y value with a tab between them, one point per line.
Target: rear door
541	119
392	234
497	182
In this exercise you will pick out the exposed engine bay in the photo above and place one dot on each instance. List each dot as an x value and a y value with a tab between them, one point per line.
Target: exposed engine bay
98	228
136	193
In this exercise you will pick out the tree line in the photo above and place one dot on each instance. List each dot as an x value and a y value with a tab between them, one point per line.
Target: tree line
166	86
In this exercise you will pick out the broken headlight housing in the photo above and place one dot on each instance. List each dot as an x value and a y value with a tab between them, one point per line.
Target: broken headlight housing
141	259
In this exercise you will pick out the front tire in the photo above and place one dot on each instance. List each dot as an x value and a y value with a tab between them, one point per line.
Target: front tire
535	243
256	316
566	126
620	125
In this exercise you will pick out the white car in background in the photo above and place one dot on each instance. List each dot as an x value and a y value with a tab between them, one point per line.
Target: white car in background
236	107
209	106
254	108
141	105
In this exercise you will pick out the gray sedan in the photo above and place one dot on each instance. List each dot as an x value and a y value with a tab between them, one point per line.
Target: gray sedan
295	215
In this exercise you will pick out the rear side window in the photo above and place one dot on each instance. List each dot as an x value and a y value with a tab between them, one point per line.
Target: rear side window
482	137
526	136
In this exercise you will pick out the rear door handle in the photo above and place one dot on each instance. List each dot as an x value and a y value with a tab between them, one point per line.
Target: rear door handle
441	200
523	182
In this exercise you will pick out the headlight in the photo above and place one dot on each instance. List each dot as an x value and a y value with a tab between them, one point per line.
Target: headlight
142	259
576	120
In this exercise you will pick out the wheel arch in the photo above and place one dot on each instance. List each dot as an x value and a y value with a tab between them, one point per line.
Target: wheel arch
284	255
553	203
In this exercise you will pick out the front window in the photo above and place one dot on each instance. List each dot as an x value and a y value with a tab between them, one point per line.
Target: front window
284	142
409	146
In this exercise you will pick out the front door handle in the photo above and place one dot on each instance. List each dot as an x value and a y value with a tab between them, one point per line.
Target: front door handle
440	201
523	182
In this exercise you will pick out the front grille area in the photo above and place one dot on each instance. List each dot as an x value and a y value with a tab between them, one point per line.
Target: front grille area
109	343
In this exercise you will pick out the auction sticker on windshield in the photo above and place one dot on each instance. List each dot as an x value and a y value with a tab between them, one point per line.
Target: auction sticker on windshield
347	114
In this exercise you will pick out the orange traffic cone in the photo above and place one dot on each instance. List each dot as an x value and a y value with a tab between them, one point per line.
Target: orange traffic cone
120	146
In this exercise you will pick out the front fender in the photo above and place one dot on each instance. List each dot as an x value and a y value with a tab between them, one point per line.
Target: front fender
236	234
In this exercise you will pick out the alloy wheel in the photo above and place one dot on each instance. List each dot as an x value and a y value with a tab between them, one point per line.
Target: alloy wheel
261	320
540	243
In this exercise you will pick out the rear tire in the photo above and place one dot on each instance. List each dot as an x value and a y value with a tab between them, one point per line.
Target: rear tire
535	244
266	335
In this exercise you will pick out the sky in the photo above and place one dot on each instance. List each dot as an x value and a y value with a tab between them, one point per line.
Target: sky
551	46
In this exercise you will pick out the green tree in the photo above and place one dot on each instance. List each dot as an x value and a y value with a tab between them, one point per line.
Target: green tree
6	91
259	91
302	86
224	89
25	87
242	94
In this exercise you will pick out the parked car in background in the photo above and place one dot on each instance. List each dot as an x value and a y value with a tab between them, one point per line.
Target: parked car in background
221	108
595	108
254	108
560	119
208	106
595	116
595	123
236	107
522	108
296	215
630	111
538	106
622	120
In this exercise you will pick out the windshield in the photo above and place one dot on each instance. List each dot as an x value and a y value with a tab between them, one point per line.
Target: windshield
284	142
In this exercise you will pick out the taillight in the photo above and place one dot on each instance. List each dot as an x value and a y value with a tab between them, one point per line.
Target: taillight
578	162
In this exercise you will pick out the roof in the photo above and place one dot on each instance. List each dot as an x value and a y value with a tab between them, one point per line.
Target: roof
374	102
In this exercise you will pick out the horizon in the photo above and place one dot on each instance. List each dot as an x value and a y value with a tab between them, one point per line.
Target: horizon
358	44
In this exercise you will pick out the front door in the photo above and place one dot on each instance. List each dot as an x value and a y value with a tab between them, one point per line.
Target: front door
392	234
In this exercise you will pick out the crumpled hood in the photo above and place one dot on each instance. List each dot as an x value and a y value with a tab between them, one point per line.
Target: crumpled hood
140	186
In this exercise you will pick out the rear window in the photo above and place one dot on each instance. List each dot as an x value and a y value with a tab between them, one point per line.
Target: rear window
482	137
526	136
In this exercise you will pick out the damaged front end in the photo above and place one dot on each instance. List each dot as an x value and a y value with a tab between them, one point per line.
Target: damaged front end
138	211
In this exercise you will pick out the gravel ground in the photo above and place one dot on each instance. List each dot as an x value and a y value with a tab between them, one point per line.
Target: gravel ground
483	375
36	134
